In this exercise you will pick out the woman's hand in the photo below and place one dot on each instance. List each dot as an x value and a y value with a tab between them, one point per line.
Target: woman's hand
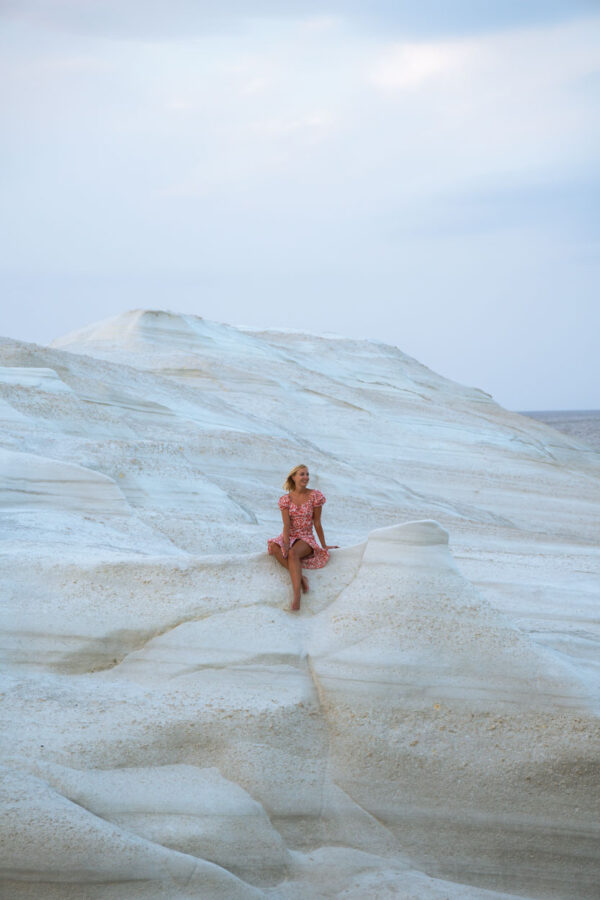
331	547
286	549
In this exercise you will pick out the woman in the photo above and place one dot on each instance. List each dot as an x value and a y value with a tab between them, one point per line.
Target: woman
296	546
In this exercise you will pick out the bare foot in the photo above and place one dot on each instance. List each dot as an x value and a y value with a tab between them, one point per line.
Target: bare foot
295	604
304	584
292	608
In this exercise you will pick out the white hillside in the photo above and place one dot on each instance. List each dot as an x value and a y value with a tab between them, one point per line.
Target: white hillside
427	727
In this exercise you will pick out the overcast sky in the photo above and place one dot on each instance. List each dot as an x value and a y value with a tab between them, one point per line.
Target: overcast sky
421	173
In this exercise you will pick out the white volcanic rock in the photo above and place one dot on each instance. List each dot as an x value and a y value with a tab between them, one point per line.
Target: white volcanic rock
37	482
195	811
46	380
426	727
50	840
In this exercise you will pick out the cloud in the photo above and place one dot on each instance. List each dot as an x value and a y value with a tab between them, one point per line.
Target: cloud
286	119
407	66
176	19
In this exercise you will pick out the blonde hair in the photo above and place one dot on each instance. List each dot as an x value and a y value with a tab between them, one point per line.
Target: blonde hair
288	484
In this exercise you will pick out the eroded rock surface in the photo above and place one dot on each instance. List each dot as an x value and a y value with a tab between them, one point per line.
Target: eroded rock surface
426	727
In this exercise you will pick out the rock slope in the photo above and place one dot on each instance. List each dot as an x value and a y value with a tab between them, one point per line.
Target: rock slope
427	727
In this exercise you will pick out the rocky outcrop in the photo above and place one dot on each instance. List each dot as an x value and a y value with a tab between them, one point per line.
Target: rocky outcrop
425	727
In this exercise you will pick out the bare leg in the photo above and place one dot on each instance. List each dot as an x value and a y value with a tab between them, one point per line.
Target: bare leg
278	554
298	551
282	560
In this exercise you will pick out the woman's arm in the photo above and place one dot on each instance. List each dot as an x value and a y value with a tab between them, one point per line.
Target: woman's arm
319	529
318	526
285	515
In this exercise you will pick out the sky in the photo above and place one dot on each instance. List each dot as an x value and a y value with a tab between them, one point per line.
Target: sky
424	174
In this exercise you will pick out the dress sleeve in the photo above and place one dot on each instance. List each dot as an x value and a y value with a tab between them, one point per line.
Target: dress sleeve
284	502
318	499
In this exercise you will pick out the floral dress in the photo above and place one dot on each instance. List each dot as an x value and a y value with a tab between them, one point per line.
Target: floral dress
301	528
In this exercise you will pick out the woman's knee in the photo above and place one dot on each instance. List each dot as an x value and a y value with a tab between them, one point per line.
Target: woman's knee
300	550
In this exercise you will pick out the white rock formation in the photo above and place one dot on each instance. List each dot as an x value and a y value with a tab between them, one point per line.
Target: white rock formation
427	727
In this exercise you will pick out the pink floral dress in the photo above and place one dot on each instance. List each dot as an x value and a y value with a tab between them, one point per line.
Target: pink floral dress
301	528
